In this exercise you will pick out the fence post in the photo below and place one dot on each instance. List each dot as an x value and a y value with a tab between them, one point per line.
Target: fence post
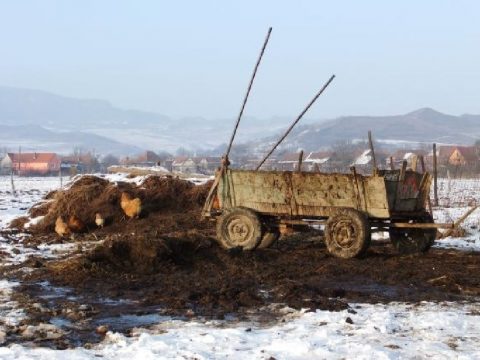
14	192
435	191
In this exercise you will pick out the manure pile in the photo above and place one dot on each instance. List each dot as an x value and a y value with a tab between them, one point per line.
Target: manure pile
89	195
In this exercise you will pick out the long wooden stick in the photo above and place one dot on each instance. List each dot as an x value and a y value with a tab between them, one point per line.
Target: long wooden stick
248	92
299	117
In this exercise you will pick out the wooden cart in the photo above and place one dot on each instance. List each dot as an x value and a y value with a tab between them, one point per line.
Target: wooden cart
252	207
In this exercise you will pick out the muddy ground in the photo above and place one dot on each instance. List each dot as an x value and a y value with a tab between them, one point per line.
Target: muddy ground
167	263
199	279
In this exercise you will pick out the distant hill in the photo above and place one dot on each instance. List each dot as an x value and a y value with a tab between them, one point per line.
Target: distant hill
421	126
37	138
41	120
140	129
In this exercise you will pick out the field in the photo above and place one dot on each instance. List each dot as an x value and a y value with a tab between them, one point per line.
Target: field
291	301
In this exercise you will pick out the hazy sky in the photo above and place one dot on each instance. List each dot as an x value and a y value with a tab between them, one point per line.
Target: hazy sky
186	58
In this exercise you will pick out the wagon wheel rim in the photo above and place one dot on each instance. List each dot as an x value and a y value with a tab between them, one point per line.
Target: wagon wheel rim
344	234
240	230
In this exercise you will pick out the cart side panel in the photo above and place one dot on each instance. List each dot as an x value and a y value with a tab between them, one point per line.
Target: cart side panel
376	197
265	192
302	194
313	193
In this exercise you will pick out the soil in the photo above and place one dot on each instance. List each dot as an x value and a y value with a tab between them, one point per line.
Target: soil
168	263
194	277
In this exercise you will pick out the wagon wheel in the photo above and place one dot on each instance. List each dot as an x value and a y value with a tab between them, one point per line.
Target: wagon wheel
239	227
347	233
413	240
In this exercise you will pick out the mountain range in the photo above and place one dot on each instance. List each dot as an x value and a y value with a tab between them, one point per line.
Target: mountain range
41	121
423	126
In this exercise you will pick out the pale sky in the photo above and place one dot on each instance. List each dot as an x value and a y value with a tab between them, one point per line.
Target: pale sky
194	58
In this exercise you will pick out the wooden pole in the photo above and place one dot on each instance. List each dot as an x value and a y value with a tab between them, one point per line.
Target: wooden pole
392	165
414	162
299	117
422	163
372	151
403	170
14	192
435	186
300	160
19	160
248	93
424	170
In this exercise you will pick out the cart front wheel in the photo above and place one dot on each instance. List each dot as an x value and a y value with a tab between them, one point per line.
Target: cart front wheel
347	234
413	240
239	227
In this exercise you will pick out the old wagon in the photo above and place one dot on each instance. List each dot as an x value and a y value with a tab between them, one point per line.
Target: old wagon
252	208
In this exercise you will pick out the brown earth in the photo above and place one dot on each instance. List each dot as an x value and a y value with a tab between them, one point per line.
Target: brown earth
195	275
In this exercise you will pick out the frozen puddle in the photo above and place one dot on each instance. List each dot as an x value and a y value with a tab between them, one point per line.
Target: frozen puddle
10	314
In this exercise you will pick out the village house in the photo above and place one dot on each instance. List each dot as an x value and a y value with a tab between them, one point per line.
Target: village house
79	164
289	161
411	156
363	161
251	163
196	165
311	161
317	161
147	158
458	155
30	163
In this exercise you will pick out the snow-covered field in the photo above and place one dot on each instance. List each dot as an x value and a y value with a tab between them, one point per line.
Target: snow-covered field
365	331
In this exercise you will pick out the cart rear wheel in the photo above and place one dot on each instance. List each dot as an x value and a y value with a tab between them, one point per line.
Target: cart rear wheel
239	227
410	241
347	233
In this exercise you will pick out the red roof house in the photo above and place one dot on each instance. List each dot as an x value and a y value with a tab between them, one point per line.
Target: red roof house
32	163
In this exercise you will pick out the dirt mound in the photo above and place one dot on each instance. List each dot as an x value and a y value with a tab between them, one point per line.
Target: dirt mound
90	195
129	254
